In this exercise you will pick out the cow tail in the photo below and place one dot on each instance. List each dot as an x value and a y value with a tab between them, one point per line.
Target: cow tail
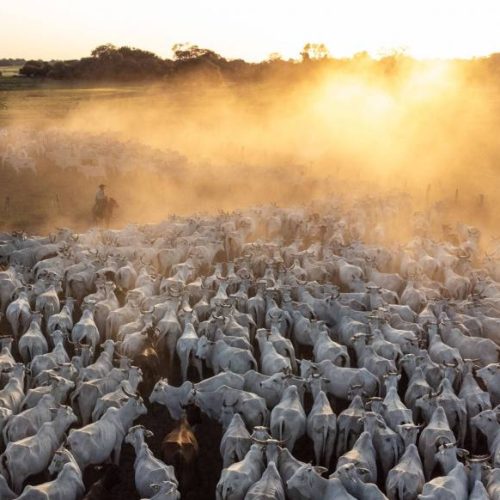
401	489
5	432
323	446
281	429
4	469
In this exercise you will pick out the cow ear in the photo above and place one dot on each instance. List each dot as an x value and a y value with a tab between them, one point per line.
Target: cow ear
148	434
320	470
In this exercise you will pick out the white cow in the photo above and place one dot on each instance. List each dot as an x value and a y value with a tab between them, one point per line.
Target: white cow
115	399
96	442
174	398
48	301
148	469
56	357
68	485
220	356
270	360
28	422
64	320
288	419
235	442
58	387
322	429
18	314
236	480
102	366
32	455
186	347
33	342
86	330
12	395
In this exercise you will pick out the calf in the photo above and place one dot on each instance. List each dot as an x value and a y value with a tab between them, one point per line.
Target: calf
180	449
148	361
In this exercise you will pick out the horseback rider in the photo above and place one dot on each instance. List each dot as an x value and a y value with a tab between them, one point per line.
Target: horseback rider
104	206
100	199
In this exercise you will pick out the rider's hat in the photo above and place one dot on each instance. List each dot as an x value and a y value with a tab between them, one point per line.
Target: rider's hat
102	185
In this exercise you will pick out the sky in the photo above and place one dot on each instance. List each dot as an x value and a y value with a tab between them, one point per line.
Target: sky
251	29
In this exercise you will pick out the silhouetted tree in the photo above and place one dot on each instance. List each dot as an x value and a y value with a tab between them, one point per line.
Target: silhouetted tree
35	69
315	51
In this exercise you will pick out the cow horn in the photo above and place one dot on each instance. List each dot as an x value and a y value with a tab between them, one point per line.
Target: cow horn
130	395
440	440
479	458
259	441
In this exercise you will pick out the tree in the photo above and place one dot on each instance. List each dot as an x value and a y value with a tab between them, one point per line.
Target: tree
315	51
275	56
187	51
35	69
103	50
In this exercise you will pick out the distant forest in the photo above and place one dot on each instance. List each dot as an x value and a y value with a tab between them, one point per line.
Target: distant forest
12	62
125	64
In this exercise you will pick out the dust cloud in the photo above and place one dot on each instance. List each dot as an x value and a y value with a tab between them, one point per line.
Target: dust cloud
348	132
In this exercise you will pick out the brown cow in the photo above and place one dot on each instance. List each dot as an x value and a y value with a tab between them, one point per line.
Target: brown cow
180	449
149	362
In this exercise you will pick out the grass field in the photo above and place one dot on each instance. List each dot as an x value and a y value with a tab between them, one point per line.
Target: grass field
9	71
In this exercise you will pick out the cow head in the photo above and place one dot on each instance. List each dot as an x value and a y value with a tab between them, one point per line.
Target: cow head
204	347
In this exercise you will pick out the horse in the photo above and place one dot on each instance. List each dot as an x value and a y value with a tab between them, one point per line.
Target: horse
103	212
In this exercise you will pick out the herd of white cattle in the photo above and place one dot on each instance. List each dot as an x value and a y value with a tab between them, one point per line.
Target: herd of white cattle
286	327
25	148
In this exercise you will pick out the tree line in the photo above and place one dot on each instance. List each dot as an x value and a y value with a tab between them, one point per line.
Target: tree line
12	62
127	64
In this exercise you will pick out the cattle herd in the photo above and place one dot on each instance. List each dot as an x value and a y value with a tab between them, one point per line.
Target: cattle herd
28	148
336	365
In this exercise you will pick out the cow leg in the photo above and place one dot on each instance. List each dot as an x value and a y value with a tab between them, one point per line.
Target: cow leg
318	449
184	368
199	367
116	453
17	483
330	445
